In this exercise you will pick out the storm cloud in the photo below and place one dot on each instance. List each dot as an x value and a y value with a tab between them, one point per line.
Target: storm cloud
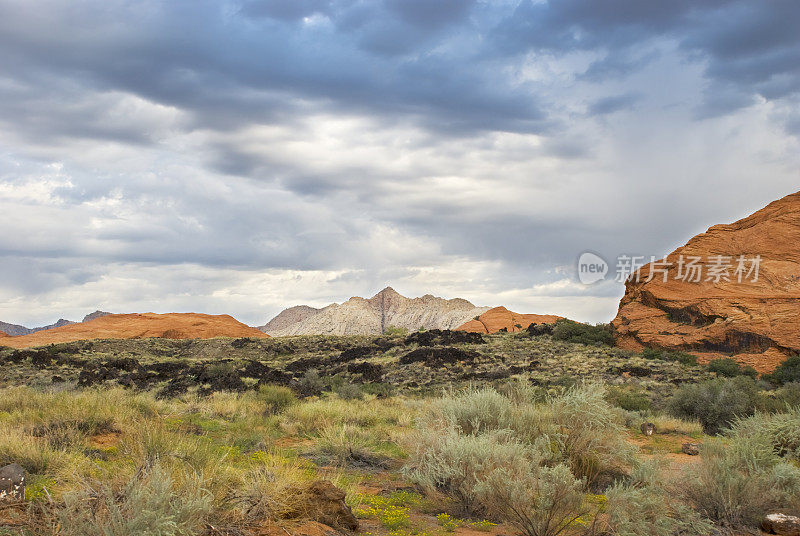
243	156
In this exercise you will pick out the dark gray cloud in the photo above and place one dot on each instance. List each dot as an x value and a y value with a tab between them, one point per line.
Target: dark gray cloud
749	48
615	103
330	142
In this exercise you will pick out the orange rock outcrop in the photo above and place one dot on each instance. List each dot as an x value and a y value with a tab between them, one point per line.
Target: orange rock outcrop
755	320
498	318
140	326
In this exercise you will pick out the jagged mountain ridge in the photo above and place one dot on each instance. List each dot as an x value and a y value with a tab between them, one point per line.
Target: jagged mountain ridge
15	330
372	316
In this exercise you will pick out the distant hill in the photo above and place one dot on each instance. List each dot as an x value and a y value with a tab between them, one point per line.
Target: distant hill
139	326
362	316
15	329
500	318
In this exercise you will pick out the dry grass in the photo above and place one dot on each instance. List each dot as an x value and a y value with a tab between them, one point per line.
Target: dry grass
99	456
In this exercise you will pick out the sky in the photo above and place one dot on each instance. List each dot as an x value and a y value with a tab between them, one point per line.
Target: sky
242	156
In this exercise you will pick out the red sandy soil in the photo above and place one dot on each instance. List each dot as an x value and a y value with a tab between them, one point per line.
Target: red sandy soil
498	318
140	326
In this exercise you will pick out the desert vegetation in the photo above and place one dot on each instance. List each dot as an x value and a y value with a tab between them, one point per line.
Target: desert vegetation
424	434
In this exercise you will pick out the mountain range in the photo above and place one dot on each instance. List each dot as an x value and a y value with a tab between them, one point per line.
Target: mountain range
373	316
16	330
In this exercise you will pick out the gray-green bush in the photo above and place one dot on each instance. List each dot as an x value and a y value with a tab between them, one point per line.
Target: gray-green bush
149	505
455	464
780	430
470	442
276	398
737	482
541	501
715	403
642	506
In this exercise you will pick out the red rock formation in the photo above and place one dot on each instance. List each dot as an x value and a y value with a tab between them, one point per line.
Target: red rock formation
498	318
755	321
4	334
140	326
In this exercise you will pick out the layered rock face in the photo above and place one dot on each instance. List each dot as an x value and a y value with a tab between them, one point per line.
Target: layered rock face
140	326
499	318
361	316
751	312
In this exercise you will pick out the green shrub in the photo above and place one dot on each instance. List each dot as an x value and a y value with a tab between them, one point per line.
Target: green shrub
393	331
379	389
276	398
149	505
730	368
349	391
788	395
577	332
311	383
788	371
737	482
628	399
669	355
715	403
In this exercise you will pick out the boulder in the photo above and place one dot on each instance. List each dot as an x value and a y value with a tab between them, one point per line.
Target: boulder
325	504
12	482
720	308
692	449
781	524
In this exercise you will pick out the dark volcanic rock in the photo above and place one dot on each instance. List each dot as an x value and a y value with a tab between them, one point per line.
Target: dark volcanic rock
443	337
438	355
369	371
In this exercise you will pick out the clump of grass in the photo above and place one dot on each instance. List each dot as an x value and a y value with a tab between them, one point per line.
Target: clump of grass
276	398
348	444
628	398
666	424
151	503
